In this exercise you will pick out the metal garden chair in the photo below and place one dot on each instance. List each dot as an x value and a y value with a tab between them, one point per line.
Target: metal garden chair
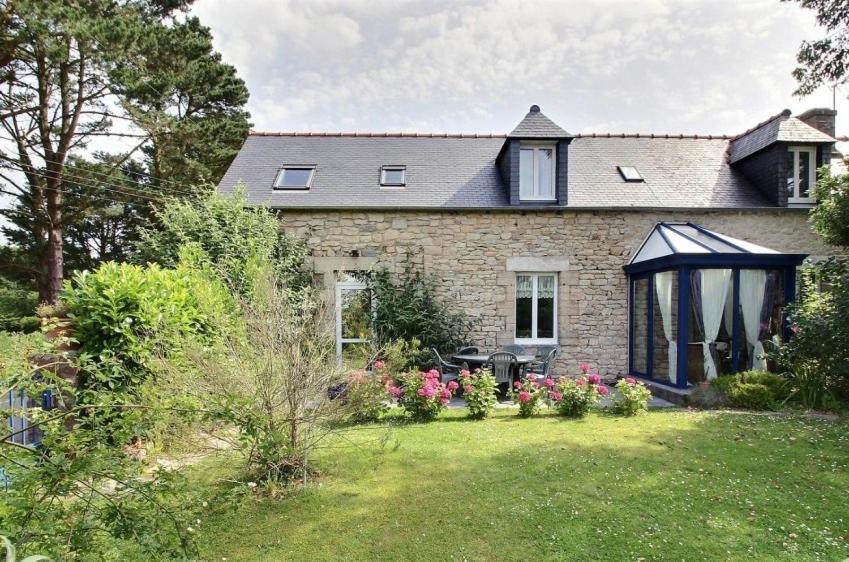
543	367
447	371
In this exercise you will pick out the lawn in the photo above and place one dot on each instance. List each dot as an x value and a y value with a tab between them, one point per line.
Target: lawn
668	485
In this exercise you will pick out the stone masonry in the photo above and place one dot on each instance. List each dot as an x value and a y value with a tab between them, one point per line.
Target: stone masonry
475	256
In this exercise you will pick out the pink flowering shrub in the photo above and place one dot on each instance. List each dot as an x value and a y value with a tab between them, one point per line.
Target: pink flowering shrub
423	396
367	394
528	394
479	392
573	397
631	397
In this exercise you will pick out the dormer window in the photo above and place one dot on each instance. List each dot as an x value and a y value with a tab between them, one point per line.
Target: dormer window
801	173
294	177
536	172
393	176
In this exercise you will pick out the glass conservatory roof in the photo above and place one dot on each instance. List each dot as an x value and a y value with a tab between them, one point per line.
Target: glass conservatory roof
670	239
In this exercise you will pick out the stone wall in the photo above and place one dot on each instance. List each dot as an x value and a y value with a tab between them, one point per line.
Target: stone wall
475	255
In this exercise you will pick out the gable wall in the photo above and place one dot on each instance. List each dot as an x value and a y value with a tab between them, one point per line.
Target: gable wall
475	255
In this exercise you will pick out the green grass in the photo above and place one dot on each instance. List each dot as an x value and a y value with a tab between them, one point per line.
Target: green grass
670	485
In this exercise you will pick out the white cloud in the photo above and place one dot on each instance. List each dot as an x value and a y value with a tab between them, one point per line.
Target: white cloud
649	66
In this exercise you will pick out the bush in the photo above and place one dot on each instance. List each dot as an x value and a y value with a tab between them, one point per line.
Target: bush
751	396
17	306
406	308
479	392
125	314
631	398
528	394
422	395
574	397
366	394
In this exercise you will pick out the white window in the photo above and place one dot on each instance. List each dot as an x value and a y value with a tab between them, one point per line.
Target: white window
294	177
393	176
353	318
630	173
801	173
536	308
536	172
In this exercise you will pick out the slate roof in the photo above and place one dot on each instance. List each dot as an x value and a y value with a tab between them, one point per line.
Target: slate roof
535	125
778	128
458	171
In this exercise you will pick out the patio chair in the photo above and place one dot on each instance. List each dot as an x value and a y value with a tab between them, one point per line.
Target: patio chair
544	350
447	371
543	367
514	349
503	364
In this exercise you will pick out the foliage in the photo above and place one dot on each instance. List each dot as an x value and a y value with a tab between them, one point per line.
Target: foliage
422	395
830	218
17	306
270	381
631	397
232	235
479	389
753	390
11	553
528	394
69	75
816	359
366	394
824	61
406	308
79	495
123	314
573	397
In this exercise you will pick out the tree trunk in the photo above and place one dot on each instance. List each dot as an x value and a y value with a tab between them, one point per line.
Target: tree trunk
54	269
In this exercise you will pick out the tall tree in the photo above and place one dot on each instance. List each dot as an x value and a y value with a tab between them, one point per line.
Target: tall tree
120	68
825	61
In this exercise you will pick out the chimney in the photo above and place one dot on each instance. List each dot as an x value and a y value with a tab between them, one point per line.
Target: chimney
821	118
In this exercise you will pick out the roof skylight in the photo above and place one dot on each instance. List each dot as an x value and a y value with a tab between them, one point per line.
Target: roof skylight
294	177
630	173
393	176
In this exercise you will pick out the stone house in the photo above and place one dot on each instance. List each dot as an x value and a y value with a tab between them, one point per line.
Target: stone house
530	233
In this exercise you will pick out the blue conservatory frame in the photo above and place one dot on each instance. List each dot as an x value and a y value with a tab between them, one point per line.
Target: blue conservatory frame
711	251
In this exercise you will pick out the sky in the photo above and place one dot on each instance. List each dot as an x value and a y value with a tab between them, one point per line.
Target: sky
641	66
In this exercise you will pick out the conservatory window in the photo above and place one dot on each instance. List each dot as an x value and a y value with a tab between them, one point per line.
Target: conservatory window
536	308
801	173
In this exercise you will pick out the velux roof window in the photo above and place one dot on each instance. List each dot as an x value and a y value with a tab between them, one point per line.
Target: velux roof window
294	177
393	176
630	173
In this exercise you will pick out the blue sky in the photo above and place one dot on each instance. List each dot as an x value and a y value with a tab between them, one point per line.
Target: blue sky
683	66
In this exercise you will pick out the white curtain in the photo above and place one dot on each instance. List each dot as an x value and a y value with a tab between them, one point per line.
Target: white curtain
728	317
524	287
714	292
752	293
663	286
545	287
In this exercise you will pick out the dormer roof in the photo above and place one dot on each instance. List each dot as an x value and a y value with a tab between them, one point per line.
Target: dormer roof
778	128
535	125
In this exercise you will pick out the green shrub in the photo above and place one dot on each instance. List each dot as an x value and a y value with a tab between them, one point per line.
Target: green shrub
573	397
17	307
479	392
406	308
366	394
751	396
631	397
422	395
124	315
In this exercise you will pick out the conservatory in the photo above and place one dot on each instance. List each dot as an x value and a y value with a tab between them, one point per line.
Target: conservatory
703	304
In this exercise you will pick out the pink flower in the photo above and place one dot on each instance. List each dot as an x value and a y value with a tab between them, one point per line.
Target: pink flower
465	373
358	376
432	374
581	381
395	391
445	394
421	391
548	383
444	401
468	388
535	384
630	380
602	390
556	396
452	386
378	365
517	384
426	391
594	378
585	368
524	397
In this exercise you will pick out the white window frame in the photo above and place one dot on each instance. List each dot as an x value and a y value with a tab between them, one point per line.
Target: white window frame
279	177
346	282
812	174
535	190
534	340
388	185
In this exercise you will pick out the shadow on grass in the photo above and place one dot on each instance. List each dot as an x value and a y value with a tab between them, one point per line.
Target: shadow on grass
670	485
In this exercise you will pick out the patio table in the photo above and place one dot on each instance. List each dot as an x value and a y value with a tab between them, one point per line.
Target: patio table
478	359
